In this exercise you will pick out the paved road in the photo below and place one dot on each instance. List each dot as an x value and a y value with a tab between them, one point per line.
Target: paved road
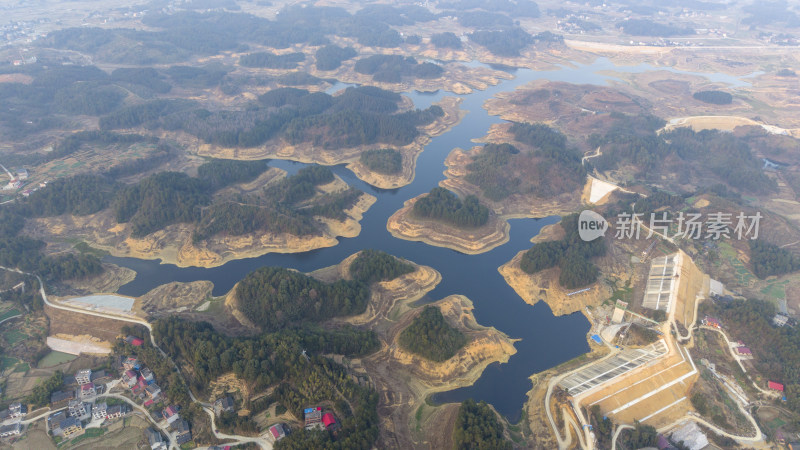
239	439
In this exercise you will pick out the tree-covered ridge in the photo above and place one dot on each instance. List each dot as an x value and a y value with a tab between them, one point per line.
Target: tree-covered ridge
687	155
572	254
160	200
27	109
24	253
431	337
371	266
769	259
387	161
359	116
442	204
477	427
236	219
714	97
89	98
271	60
550	169
171	197
392	68
181	35
54	93
330	57
776	350
274	297
276	360
78	195
146	77
288	206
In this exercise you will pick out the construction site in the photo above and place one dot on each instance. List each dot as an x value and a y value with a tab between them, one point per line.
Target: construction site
646	383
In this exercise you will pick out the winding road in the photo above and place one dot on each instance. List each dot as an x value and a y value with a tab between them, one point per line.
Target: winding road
263	443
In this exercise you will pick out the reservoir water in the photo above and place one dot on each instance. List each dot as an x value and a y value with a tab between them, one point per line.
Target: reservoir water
545	340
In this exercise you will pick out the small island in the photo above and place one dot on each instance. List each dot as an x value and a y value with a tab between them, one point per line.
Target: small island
443	219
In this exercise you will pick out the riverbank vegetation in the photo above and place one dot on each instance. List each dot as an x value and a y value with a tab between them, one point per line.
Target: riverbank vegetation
571	254
442	204
477	427
431	337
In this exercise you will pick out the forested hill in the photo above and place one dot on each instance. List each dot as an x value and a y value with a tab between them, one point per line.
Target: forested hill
166	198
709	155
477	427
572	254
288	206
431	337
275	360
551	168
179	36
359	116
275	298
441	204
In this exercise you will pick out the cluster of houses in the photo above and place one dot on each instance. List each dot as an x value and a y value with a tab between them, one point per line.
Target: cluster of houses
140	380
84	385
15	411
183	432
76	407
17	181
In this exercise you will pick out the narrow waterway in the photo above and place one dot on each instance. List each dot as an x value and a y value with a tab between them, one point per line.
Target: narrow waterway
546	340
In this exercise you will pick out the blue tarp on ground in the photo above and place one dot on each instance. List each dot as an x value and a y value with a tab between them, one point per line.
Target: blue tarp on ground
597	339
